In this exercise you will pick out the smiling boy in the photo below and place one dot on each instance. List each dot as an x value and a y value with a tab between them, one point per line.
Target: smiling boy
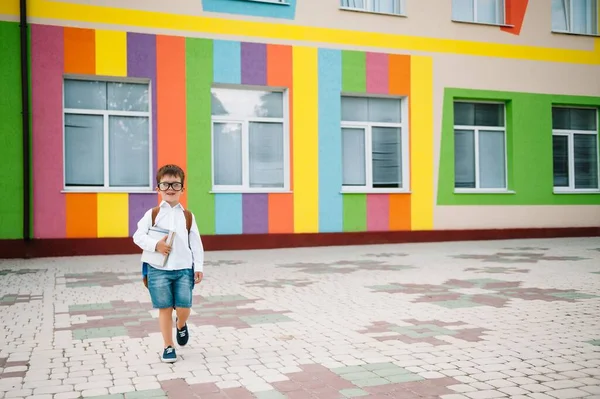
171	285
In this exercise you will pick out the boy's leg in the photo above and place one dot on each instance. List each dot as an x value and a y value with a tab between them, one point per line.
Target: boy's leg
160	285
165	320
183	303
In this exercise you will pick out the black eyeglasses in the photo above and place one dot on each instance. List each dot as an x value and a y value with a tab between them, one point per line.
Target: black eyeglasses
164	186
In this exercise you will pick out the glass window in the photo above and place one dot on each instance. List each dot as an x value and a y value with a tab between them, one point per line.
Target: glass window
381	6
374	152
107	139
249	140
479	146
481	11
575	16
575	148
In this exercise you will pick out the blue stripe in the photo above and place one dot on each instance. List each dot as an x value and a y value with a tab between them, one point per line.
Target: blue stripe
227	62
227	68
253	8
330	141
228	214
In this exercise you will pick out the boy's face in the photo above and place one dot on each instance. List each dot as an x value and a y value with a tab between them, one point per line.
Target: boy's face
170	189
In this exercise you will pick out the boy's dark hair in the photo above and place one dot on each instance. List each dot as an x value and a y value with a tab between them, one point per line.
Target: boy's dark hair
170	170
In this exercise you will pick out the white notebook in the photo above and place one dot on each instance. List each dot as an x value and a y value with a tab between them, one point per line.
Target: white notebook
155	258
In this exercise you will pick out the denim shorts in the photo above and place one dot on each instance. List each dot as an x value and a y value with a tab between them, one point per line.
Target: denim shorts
170	288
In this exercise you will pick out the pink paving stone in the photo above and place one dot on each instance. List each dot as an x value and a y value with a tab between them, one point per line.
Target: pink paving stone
489	300
286	386
238	393
302	394
204	388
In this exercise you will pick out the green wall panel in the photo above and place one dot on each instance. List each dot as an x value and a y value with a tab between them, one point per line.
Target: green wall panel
199	73
11	153
529	150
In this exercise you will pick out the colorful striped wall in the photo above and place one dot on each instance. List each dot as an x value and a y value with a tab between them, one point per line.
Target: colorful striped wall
181	71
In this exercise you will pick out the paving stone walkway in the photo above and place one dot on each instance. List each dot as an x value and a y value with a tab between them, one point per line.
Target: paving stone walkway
469	320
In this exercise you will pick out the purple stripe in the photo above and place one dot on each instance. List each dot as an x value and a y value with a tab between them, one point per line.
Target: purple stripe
256	213
141	63
138	205
47	67
254	64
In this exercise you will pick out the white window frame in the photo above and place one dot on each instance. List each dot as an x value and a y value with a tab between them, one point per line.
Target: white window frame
569	12
245	122
368	8
502	8
106	114
368	129
570	134
476	131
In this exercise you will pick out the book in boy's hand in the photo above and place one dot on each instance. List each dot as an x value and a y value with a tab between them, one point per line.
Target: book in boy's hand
156	258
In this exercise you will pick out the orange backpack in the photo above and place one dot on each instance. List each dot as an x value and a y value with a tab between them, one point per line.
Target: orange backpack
188	217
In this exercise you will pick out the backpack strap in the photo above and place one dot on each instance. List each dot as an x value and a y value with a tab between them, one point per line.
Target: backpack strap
154	213
188	220
187	214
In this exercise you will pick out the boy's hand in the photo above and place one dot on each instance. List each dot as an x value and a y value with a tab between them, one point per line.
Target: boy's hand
162	246
198	276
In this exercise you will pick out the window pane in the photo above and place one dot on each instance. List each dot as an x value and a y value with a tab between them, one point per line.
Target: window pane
129	151
387	162
574	118
85	94
247	103
489	115
464	159
490	11
384	110
386	6
586	160
266	155
128	97
353	157
464	114
585	16
84	150
559	16
560	158
463	10
492	160
355	109
227	153
358	4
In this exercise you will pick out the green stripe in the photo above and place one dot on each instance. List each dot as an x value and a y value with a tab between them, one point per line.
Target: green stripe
354	71
355	212
199	73
11	212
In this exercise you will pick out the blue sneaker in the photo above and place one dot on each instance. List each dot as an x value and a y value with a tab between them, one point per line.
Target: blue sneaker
182	335
169	355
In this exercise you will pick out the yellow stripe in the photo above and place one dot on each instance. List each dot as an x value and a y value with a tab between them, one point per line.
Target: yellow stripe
305	141
111	53
113	215
56	10
421	136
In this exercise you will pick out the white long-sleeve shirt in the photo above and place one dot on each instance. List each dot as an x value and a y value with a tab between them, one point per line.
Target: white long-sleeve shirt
182	256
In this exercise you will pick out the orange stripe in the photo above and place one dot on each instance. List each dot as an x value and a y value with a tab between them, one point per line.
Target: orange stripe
170	95
399	74
81	215
279	73
80	51
400	212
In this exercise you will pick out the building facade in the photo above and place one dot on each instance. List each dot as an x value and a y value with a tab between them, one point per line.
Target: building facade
300	121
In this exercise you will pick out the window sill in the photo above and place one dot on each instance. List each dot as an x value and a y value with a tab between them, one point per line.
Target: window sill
95	190
403	15
560	32
483	191
561	192
249	191
363	190
483	23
